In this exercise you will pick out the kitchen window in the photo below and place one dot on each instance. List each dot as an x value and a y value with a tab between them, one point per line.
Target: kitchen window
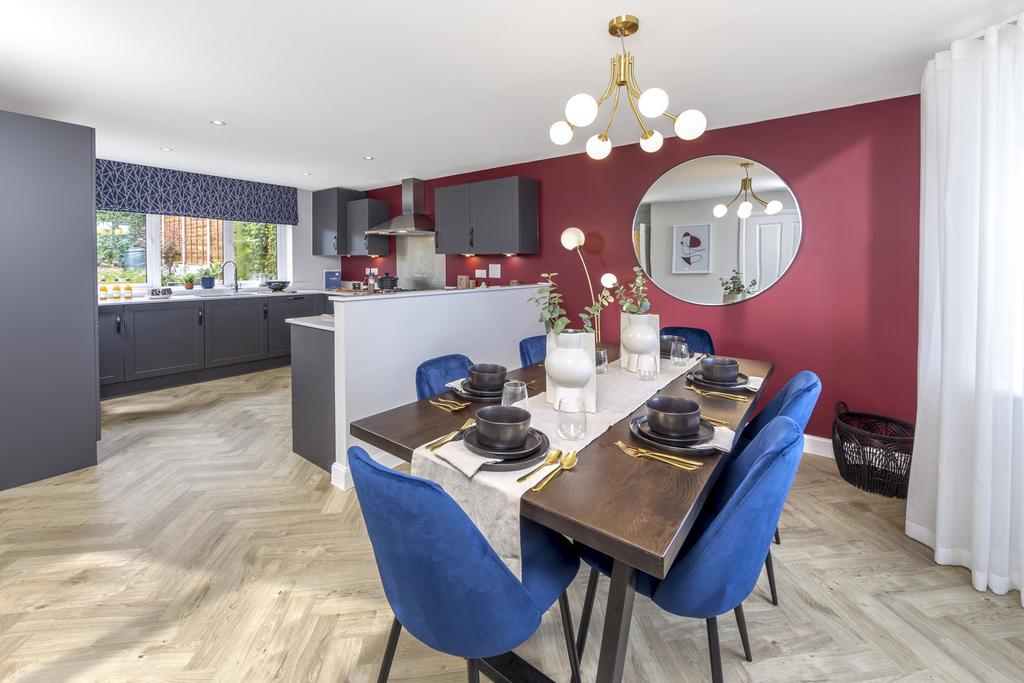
121	247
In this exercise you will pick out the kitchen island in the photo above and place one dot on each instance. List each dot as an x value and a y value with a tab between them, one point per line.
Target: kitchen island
380	339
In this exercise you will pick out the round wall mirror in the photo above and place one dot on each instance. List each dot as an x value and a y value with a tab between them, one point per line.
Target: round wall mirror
717	230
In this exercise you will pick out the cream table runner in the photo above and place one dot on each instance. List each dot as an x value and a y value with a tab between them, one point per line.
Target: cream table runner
491	499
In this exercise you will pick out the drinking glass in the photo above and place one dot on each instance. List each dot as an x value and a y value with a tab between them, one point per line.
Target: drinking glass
514	394
646	368
572	418
680	353
601	361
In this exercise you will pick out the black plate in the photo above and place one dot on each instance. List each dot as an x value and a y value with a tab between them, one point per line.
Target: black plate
521	464
476	397
697	377
534	441
705	432
470	389
674	450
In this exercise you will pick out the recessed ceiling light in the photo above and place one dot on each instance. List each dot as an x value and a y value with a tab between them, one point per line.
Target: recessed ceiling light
306	173
166	149
368	158
218	122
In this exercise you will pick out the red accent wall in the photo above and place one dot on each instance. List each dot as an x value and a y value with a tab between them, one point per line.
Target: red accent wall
846	309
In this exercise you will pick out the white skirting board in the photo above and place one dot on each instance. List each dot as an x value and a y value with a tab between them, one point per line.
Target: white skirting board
818	445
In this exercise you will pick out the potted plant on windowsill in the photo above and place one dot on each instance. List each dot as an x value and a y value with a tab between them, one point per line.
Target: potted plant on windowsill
733	288
188	280
208	276
639	328
569	365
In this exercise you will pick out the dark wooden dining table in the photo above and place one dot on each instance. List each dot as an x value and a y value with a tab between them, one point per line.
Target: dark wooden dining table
637	511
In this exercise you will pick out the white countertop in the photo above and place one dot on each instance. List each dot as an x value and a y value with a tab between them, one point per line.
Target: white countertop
318	322
349	298
226	294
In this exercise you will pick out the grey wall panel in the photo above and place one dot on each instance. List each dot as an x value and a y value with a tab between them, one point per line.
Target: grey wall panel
49	381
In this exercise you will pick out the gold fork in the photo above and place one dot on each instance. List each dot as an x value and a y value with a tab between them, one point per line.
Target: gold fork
450	406
442	440
637	453
677	458
715	421
718	394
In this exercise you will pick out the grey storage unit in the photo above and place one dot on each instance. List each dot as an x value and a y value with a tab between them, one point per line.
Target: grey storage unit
313	395
294	306
49	408
236	330
364	214
497	216
111	344
330	220
163	339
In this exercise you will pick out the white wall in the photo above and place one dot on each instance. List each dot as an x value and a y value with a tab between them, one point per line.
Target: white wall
724	248
307	270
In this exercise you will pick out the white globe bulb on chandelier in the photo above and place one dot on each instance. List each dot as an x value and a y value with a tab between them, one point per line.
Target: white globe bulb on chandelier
746	207
581	110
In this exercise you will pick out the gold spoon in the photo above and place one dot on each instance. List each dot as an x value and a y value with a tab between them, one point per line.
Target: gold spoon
551	459
567	462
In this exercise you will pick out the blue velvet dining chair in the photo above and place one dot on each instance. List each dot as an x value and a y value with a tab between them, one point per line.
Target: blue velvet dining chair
796	400
432	375
445	583
721	558
532	350
697	339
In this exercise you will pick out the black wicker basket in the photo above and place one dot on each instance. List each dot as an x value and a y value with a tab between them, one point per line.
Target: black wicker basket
873	452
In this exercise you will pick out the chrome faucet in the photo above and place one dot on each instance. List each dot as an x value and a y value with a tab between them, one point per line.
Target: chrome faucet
235	271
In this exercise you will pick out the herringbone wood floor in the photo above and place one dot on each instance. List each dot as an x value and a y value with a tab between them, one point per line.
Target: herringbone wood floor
202	549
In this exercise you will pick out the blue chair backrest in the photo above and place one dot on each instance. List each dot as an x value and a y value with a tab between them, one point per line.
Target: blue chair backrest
432	375
796	400
697	339
445	583
721	568
533	350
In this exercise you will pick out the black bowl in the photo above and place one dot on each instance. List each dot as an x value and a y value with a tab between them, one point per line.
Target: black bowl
277	285
666	343
502	426
487	376
673	416
717	369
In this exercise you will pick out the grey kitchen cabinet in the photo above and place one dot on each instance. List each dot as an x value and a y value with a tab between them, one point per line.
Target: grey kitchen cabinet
235	330
364	214
163	339
497	216
49	408
292	306
313	395
330	220
111	344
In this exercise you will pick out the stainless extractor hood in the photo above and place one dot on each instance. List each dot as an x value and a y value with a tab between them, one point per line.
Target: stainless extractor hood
412	221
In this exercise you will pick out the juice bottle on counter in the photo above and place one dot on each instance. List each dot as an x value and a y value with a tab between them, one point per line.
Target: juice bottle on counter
103	289
127	290
115	291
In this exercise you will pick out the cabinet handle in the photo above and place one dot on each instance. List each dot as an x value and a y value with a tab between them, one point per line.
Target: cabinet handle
200	317
117	323
296	298
266	309
471	231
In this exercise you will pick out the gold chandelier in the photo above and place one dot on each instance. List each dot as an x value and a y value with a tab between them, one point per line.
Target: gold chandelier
581	109
747	191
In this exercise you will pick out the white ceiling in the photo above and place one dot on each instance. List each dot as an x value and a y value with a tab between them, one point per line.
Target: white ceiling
434	88
714	177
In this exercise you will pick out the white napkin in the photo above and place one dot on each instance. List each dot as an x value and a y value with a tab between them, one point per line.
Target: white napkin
456	384
723	438
753	383
458	456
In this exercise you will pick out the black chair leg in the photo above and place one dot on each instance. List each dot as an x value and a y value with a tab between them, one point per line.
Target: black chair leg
770	568
389	651
570	640
778	539
588	610
473	671
741	622
716	653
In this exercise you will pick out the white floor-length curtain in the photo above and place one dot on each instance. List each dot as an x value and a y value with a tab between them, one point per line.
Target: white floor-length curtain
966	497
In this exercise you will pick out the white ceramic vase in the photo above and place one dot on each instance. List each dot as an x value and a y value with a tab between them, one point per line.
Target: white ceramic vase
569	367
639	337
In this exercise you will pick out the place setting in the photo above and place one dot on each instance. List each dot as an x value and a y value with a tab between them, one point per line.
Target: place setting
721	378
484	383
676	427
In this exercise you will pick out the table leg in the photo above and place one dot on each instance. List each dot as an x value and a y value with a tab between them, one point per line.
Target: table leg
615	636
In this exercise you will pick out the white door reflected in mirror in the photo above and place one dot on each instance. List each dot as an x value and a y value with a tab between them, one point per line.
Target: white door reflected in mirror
717	230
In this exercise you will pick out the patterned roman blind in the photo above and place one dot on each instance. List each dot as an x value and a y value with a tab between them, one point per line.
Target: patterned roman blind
121	186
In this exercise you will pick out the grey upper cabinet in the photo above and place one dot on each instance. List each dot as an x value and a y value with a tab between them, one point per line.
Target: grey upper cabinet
236	330
163	339
295	306
497	216
364	214
330	220
111	344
